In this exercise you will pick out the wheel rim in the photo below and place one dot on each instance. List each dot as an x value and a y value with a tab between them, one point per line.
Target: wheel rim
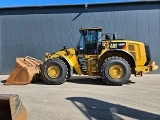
116	71
53	71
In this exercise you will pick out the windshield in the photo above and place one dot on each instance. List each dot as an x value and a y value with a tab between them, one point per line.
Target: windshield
91	37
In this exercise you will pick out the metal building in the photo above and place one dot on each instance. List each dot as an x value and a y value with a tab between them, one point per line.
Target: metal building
34	31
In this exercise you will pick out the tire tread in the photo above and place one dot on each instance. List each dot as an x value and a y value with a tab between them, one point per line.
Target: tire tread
103	75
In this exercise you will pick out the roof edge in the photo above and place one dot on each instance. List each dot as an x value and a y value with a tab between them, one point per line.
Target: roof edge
83	4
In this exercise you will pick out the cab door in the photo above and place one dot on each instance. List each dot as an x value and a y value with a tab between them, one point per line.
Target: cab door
90	41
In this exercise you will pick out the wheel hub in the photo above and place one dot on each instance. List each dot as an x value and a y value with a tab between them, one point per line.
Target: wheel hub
115	71
53	71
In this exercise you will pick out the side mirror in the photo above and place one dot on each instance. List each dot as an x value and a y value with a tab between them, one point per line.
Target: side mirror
64	47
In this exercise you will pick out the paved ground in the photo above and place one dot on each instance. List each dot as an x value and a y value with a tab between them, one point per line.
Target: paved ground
84	98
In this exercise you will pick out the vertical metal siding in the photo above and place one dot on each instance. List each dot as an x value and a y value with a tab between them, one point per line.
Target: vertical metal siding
36	31
0	44
154	34
107	19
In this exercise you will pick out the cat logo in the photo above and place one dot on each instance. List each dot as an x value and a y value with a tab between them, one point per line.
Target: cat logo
113	45
121	44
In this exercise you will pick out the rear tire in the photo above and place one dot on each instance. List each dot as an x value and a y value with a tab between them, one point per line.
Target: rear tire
54	71
115	71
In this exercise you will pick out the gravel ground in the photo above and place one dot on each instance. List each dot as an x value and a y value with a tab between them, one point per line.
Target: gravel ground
88	98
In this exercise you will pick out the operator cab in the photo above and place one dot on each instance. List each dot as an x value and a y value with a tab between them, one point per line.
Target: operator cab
89	40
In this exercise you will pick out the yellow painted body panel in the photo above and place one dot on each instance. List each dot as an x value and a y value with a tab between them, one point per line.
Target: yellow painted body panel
92	65
138	52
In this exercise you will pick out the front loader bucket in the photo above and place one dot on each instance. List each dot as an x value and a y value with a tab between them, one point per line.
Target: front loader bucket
11	108
24	71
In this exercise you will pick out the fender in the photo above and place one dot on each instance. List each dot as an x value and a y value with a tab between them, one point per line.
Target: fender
72	62
121	50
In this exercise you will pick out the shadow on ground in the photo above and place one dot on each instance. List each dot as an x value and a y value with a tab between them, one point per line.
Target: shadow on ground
90	80
3	81
77	80
101	110
86	80
41	82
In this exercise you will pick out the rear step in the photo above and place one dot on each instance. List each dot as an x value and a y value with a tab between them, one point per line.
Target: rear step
24	71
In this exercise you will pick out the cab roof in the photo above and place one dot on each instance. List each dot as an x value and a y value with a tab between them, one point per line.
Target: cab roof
94	28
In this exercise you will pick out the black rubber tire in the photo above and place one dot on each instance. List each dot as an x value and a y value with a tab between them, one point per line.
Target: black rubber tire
115	61
63	71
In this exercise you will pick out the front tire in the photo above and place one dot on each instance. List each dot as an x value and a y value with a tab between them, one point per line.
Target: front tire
115	71
54	71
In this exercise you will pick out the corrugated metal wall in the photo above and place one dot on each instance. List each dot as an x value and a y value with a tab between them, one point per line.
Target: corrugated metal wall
34	31
0	45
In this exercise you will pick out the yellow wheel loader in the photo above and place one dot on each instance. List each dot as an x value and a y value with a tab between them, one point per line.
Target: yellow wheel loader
96	54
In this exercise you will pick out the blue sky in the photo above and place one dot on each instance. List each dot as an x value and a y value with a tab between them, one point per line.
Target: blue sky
15	3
